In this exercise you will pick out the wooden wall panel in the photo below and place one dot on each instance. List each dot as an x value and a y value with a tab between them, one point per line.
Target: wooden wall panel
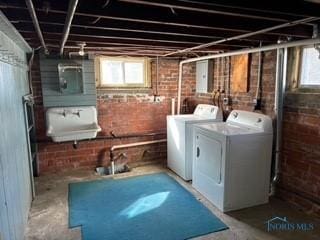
52	97
240	73
15	184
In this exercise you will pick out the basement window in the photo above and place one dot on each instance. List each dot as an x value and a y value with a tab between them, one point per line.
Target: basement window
310	68
123	72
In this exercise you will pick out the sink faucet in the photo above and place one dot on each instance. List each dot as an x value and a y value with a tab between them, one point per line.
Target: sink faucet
77	113
64	113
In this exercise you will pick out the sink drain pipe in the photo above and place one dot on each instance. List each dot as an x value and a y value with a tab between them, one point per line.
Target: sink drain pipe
129	145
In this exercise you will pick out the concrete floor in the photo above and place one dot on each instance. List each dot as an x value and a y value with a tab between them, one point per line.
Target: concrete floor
48	217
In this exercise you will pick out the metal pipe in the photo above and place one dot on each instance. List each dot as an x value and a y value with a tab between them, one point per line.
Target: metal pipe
280	87
288	24
129	145
111	137
36	24
70	14
136	39
133	30
238	52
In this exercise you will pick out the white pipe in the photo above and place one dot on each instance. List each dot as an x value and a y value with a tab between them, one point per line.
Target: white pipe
70	14
36	25
287	24
112	168
238	52
259	76
173	106
136	144
180	86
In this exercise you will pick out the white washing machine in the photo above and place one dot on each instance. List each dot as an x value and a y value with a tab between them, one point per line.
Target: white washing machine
232	160
180	139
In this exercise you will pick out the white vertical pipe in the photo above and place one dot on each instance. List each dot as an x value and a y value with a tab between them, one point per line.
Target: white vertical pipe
36	24
112	168
70	14
179	87
173	106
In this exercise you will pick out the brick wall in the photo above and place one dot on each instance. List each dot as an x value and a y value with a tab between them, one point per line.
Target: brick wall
300	165
137	113
243	101
121	113
132	113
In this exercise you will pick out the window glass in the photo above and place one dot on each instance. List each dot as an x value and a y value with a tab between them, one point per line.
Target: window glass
310	67
133	72
123	72
111	72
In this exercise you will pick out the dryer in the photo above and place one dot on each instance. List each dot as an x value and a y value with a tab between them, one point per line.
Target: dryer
180	138
232	160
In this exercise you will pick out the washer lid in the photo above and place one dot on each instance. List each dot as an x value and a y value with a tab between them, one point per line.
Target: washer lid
251	120
229	129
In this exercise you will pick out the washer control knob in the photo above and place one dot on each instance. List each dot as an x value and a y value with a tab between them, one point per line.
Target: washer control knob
235	115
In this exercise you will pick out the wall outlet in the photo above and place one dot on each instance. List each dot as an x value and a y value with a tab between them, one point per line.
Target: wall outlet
226	101
157	99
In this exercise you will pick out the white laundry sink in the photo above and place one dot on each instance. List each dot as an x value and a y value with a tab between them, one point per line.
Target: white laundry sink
72	123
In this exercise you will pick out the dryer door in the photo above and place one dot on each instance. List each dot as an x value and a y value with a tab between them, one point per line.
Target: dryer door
208	158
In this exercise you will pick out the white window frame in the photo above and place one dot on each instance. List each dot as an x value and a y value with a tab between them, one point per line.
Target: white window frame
146	72
301	85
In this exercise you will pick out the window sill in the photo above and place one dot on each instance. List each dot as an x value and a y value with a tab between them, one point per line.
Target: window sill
306	90
105	90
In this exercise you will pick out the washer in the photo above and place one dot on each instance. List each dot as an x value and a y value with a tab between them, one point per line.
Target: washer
232	160
180	138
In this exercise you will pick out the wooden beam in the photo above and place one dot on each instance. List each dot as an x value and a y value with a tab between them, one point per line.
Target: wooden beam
166	4
82	37
296	32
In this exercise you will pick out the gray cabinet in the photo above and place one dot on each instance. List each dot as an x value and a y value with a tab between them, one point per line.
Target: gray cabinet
204	76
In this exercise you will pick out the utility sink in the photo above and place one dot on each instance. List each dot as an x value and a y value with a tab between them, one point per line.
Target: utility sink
72	123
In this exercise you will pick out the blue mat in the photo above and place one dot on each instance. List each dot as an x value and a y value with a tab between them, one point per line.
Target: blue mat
145	207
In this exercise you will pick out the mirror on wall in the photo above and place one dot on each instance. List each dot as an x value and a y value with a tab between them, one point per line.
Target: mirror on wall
70	78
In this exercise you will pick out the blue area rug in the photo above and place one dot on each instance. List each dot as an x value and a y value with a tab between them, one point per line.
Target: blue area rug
144	207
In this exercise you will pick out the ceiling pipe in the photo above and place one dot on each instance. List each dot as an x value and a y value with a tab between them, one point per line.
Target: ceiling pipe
36	24
288	24
134	39
238	52
134	30
70	14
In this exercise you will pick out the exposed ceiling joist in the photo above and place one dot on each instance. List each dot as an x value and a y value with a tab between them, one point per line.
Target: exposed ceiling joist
218	27
251	8
129	30
203	10
305	20
129	38
162	27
